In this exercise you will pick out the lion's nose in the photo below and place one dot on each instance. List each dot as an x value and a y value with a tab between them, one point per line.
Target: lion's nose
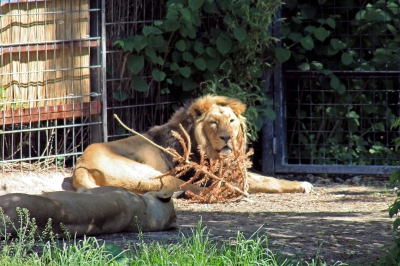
225	137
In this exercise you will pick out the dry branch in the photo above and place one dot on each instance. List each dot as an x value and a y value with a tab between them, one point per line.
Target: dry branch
226	177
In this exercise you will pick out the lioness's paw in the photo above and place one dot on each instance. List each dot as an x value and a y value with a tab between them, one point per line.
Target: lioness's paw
308	187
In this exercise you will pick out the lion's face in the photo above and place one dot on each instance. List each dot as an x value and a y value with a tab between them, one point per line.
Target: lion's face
213	116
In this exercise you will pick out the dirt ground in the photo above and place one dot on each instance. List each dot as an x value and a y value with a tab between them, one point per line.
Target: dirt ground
337	222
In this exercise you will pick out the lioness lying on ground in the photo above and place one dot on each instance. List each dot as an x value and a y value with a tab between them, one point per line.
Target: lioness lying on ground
102	210
133	163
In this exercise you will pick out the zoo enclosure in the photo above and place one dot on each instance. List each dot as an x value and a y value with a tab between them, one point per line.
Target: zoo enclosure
315	131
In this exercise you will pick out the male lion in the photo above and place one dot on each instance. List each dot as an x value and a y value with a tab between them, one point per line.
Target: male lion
133	162
102	210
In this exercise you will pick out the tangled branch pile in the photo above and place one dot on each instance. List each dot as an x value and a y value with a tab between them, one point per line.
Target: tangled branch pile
227	175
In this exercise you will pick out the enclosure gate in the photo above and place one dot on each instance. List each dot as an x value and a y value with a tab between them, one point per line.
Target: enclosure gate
337	121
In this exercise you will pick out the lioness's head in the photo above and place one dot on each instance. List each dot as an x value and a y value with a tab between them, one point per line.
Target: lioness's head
212	115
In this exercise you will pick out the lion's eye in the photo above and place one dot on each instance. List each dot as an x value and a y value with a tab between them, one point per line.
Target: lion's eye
213	123
232	120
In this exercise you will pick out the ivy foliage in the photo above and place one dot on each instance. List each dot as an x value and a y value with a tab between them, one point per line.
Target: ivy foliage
344	119
220	42
393	257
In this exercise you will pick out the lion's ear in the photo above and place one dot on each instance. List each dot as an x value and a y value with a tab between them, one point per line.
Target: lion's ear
237	107
195	111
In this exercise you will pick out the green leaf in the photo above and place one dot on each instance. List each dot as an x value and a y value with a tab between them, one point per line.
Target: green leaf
270	113
396	223
149	51
211	51
174	66
395	177
285	30
116	252
240	33
394	209
140	42
342	89
139	84
181	45
317	65
307	42
282	54
304	66
295	36
310	29
158	60
347	59
200	63
224	44
335	82
135	63
120	95
297	20
337	44
381	55
188	57
199	47
321	34
307	11
156	41
126	44
392	29
212	63
195	4
331	22
210	7
185	14
185	71
171	25
158	75
147	30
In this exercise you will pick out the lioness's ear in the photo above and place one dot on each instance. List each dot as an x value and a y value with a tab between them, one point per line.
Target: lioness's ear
163	195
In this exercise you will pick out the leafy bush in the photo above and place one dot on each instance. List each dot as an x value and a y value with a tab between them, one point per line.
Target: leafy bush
218	41
342	111
393	257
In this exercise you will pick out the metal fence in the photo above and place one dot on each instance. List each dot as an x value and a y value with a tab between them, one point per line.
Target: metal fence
138	110
337	121
62	80
50	69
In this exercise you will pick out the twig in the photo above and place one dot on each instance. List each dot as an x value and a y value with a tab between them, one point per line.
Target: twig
148	140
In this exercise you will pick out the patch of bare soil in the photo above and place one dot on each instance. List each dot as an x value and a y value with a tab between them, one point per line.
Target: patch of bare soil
336	222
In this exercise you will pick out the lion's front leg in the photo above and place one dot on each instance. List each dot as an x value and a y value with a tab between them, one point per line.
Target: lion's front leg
267	184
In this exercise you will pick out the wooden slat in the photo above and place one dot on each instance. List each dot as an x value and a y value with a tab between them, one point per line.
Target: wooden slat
48	47
50	112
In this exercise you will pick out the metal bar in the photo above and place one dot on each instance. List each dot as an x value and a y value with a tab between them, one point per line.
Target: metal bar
48	127
336	169
104	71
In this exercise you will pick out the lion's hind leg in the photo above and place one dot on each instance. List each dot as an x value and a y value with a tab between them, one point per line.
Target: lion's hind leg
267	184
83	179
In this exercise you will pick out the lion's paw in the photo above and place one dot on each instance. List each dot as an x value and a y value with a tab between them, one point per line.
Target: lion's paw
308	187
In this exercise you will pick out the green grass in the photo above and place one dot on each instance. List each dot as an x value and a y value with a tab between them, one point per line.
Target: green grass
30	248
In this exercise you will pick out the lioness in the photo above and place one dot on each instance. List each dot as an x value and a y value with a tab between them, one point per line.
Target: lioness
102	210
133	163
